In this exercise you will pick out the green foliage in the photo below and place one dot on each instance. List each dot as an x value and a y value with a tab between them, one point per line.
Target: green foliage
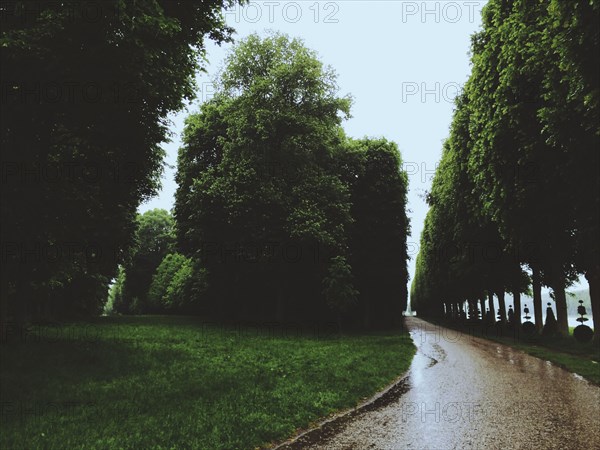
524	130
161	280
86	110
115	294
177	286
265	203
378	189
262	203
571	118
179	289
154	239
337	285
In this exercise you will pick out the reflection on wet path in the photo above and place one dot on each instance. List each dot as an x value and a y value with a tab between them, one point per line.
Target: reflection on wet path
466	392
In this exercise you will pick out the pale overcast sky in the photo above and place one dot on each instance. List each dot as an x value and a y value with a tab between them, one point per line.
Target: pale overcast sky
402	61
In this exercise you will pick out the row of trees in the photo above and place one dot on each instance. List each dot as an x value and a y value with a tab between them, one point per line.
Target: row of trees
515	202
278	214
86	91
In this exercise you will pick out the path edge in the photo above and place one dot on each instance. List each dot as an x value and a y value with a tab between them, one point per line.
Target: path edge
392	391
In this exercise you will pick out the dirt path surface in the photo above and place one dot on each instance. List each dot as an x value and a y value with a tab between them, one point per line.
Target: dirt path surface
463	392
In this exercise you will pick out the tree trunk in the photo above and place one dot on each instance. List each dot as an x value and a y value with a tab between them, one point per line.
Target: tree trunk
517	301
561	307
501	305
537	300
482	307
558	287
491	305
593	278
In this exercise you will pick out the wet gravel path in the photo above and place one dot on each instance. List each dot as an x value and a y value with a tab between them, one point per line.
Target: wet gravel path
463	392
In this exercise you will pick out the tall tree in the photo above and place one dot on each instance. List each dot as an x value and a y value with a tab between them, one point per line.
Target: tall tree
571	119
378	186
518	171
87	89
274	199
257	201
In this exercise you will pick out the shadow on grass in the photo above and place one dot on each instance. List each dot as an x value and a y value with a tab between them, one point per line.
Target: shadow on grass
143	382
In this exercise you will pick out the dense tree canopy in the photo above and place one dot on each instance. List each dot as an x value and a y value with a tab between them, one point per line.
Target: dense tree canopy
265	203
378	250
86	90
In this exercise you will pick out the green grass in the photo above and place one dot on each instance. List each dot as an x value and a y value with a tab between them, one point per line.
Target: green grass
173	382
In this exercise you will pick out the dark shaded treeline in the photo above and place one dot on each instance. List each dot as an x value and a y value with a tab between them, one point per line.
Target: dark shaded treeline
86	91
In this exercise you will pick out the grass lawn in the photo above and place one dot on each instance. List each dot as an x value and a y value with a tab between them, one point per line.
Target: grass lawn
576	357
176	382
